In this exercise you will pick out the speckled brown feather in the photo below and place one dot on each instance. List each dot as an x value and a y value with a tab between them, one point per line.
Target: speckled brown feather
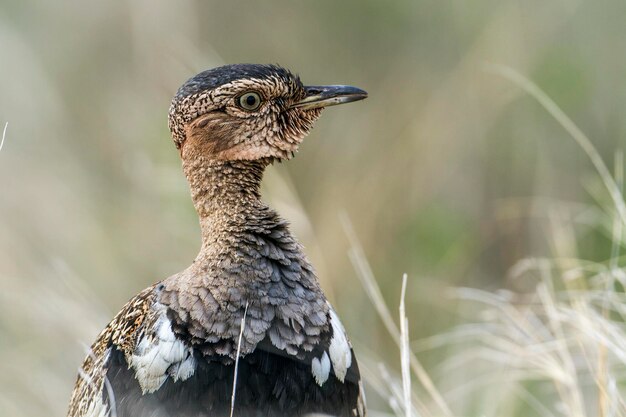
123	331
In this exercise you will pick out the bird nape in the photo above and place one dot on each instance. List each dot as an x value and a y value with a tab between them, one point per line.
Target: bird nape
250	302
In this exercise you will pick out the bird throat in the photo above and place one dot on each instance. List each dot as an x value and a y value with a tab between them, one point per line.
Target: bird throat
225	193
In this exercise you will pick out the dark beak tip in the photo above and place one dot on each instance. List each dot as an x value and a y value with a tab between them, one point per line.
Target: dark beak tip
358	92
362	94
330	95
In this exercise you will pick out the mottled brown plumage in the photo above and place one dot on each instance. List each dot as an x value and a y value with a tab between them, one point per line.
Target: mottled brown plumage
171	349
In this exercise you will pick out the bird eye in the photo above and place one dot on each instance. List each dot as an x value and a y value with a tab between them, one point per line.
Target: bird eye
250	101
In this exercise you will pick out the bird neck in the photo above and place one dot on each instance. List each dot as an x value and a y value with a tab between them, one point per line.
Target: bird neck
226	194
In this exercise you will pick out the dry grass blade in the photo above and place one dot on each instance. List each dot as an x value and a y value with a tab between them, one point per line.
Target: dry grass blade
604	398
4	133
368	281
405	357
583	141
243	326
367	277
111	394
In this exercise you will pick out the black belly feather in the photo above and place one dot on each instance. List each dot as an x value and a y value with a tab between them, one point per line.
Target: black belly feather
269	383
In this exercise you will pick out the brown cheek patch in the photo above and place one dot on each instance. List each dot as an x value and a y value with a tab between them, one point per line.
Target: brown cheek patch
207	135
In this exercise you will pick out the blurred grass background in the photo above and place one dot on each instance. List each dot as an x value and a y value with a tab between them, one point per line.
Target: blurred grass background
446	172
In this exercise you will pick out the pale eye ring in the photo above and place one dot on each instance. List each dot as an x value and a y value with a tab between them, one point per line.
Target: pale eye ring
249	101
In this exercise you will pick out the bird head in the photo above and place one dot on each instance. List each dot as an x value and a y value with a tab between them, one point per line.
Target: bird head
249	112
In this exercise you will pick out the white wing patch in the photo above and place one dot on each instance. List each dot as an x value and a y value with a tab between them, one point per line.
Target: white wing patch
321	369
159	355
339	350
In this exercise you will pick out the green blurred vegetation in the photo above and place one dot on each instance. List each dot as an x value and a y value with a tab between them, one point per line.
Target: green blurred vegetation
447	172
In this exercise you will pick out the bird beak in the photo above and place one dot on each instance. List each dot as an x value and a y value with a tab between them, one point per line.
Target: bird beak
318	96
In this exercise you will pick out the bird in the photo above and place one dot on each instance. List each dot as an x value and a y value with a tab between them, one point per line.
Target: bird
246	329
